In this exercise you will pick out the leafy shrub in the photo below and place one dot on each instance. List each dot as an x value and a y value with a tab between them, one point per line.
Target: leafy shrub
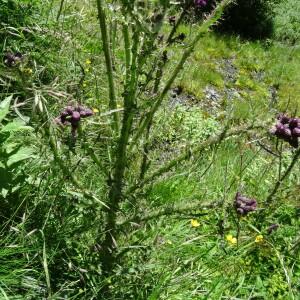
287	20
249	18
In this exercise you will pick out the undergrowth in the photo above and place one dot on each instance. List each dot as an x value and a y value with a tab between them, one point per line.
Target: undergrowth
179	237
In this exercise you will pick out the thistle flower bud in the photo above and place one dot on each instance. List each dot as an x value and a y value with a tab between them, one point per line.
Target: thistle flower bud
283	119
88	112
69	109
82	114
296	132
294	122
11	59
287	129
75	116
200	3
244	205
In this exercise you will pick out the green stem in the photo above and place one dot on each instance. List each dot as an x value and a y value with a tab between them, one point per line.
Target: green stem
60	10
184	156
115	192
108	62
169	211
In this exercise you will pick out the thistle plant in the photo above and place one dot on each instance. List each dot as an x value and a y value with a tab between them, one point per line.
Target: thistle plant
145	57
145	35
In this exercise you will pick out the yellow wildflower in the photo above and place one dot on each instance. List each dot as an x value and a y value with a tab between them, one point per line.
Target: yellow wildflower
28	71
87	70
95	110
88	62
259	238
84	84
195	223
230	239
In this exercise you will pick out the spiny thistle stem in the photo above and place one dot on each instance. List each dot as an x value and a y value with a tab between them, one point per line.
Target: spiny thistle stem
108	62
184	156
168	211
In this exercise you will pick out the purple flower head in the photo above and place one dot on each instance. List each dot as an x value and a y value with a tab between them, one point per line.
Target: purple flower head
72	115
75	116
200	3
294	122
296	132
287	129
244	205
12	59
282	118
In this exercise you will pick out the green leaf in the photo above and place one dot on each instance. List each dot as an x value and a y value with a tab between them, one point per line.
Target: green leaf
16	125
4	192
22	154
4	107
10	147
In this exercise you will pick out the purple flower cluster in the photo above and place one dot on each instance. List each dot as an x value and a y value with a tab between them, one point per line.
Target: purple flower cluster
72	115
200	3
12	59
244	205
287	129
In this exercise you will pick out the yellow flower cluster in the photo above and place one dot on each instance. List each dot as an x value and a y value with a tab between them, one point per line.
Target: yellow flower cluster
259	239
230	239
195	223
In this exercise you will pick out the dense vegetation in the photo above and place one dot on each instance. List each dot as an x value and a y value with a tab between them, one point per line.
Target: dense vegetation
149	149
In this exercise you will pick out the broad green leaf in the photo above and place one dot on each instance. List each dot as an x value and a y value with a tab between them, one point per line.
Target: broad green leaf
16	125
4	107
10	147
22	154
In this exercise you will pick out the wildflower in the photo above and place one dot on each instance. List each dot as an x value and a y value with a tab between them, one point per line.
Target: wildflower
88	62
230	239
259	238
84	84
72	115
12	59
28	71
200	3
95	110
244	205
86	70
287	129
195	223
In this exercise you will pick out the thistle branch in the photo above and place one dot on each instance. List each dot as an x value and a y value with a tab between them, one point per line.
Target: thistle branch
216	14
108	62
184	156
